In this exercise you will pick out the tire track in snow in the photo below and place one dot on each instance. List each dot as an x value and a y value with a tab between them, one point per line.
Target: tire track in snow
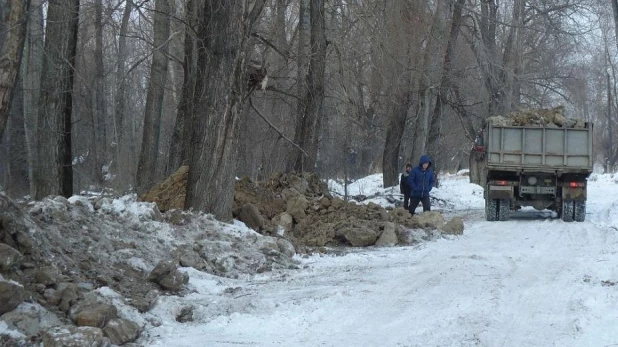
561	254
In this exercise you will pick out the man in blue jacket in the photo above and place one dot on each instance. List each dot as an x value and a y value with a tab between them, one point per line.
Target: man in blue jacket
420	182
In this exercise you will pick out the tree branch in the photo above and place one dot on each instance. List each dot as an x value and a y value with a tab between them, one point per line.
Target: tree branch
271	45
273	89
275	128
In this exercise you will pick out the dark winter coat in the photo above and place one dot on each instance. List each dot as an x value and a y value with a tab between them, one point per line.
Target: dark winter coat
404	188
421	181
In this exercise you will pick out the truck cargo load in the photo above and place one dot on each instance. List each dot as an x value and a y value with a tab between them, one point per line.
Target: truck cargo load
538	158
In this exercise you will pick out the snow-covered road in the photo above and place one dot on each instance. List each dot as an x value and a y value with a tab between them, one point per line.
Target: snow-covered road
531	281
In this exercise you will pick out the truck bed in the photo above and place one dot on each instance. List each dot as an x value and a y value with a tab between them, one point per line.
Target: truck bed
533	148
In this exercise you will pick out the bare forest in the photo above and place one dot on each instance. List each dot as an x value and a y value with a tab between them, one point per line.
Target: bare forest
116	95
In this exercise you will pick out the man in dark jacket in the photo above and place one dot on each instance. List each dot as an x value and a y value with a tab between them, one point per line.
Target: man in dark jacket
404	188
420	182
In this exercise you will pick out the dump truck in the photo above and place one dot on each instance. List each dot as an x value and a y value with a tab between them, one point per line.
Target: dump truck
539	158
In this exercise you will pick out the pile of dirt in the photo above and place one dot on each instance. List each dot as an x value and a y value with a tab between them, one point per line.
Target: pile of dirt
553	117
299	207
171	193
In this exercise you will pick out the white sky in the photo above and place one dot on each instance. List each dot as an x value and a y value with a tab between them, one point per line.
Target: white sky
531	281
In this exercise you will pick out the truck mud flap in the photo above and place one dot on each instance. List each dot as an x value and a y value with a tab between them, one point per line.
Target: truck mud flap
578	193
500	192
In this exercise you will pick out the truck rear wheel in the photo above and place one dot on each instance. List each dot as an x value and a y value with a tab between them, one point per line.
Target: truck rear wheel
491	209
497	209
504	209
567	210
579	211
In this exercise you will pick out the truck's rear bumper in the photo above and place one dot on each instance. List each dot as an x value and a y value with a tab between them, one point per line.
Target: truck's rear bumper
574	193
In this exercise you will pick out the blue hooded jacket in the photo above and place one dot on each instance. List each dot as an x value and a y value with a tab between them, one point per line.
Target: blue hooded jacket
421	181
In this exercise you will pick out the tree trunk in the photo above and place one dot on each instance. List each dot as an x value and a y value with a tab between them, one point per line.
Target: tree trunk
400	42
31	66
12	34
223	32
511	60
445	84
615	10
180	147
313	100
394	134
281	8
499	75
99	110
16	140
432	75
122	161
53	174
610	142
487	57
301	77
147	167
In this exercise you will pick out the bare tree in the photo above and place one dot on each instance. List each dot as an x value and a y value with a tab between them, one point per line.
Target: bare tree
222	45
274	124
351	140
302	66
513	51
99	113
312	101
121	154
180	147
447	85
30	70
146	169
401	56
615	11
432	75
16	170
53	173
12	34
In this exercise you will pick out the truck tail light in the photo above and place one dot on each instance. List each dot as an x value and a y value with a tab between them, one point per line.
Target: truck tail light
576	184
501	183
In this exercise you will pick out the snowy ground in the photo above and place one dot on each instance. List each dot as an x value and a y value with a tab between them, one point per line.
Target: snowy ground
531	281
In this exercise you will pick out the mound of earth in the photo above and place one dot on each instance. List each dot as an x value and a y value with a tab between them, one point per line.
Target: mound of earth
299	207
171	193
553	117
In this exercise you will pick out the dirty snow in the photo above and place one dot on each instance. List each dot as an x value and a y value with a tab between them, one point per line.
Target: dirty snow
365	186
531	281
5	330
